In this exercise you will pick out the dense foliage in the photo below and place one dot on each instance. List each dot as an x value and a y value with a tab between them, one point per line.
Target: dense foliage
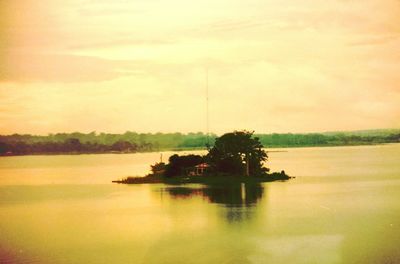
177	164
140	142
238	153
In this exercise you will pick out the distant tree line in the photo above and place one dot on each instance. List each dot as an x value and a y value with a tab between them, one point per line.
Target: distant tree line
131	142
328	139
128	142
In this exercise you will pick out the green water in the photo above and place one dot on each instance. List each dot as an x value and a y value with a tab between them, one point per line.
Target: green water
343	207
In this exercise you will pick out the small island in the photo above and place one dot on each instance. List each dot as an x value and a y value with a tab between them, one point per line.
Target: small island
236	157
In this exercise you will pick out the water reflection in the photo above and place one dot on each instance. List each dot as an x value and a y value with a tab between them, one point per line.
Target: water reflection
238	200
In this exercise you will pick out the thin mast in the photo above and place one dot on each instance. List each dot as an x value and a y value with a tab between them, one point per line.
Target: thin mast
207	112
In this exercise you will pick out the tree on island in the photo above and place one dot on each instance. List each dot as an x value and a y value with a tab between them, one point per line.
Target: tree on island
238	153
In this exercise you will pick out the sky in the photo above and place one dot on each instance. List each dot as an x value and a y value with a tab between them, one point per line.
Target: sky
140	65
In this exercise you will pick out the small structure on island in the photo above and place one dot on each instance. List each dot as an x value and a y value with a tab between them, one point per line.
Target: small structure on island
199	169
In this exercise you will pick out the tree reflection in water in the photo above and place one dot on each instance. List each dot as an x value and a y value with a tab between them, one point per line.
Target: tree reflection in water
238	199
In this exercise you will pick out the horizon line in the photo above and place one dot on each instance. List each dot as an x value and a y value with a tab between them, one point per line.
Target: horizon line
208	133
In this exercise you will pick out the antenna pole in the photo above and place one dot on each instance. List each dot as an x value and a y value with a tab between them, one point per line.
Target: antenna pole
207	112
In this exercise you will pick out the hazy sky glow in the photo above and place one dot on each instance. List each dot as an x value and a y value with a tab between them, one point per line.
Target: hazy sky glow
274	66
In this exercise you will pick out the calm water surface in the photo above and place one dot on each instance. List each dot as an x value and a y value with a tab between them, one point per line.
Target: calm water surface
343	207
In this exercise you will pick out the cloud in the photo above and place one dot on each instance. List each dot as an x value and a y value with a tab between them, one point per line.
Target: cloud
29	67
121	42
235	24
375	40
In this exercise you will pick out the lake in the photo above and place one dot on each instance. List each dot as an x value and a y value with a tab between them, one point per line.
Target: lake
342	207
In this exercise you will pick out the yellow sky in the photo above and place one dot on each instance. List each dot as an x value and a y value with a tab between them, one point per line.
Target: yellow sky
274	66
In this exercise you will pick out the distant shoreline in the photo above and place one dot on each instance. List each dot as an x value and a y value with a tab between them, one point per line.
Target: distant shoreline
132	142
74	153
